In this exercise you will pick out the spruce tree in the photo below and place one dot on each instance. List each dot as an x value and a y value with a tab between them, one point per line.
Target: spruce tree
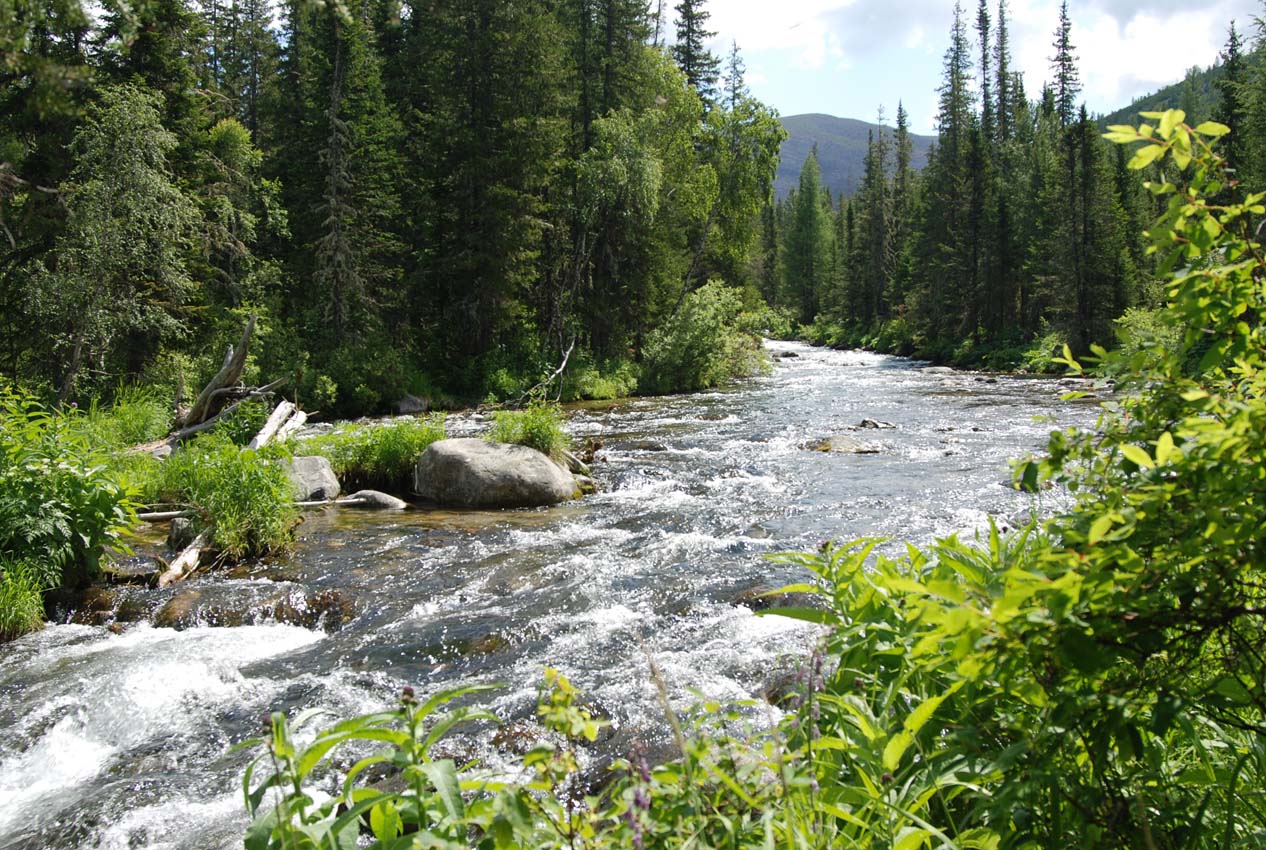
1064	64
807	249
1231	109
701	68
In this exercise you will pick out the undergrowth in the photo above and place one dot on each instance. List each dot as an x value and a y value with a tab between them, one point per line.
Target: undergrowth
380	457
538	426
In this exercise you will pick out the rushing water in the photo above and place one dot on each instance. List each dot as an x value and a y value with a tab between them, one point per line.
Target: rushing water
121	740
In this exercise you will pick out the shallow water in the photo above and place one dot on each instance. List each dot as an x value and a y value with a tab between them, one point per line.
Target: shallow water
121	740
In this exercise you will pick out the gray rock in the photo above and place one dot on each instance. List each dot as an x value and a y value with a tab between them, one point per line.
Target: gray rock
313	478
181	533
576	465
138	569
411	404
839	444
586	484
473	473
377	501
875	424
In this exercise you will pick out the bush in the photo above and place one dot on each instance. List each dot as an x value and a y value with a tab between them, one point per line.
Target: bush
539	426
21	600
700	346
599	382
376	456
59	510
243	496
242	424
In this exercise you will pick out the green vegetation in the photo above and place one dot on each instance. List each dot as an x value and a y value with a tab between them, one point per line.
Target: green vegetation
378	457
539	426
242	495
1095	681
59	509
701	345
439	209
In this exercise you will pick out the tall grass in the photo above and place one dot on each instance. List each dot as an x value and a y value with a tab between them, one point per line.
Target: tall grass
538	426
380	457
243	496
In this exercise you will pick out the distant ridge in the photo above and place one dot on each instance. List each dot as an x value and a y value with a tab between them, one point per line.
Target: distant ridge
841	151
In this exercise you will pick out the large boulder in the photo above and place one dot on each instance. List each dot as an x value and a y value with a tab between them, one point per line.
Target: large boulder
473	473
313	479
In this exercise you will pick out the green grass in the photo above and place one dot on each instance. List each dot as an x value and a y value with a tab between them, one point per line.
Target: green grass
539	426
21	600
380	457
244	496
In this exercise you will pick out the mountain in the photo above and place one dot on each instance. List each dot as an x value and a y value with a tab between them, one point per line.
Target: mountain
1198	89
841	151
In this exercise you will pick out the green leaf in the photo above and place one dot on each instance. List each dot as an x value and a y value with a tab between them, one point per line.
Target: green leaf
1137	456
895	749
1165	449
1212	129
1100	528
808	615
921	715
443	775
1171	119
1145	156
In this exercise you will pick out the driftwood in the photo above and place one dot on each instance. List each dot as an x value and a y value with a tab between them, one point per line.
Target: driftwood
209	401
164	516
544	385
248	393
351	503
186	562
281	413
293	424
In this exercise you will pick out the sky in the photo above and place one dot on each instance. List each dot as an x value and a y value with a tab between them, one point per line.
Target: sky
852	57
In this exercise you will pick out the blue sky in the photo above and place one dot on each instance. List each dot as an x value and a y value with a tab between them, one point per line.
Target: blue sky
850	57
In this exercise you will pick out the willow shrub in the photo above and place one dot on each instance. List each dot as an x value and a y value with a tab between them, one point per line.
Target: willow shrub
701	345
376	456
1095	682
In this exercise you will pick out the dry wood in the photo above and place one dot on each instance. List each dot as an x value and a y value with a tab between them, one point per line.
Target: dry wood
206	405
293	424
186	562
323	503
164	516
276	419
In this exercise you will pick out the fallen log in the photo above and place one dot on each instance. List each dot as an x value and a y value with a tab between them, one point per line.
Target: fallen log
164	516
186	562
186	433
280	415
293	424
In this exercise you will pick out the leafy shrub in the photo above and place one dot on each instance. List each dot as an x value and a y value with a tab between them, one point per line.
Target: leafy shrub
135	415
539	426
1043	355
244	496
242	424
700	346
1139	329
59	510
376	456
599	382
21	600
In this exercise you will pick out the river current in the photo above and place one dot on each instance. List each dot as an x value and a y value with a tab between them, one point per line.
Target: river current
121	739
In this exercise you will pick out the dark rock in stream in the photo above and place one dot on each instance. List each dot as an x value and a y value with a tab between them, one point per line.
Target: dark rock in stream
181	533
230	606
758	599
839	444
135	570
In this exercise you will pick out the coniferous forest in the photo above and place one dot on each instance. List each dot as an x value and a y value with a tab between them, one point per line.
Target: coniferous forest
428	198
468	200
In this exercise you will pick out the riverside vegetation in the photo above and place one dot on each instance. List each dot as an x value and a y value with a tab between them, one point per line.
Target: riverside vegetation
1094	681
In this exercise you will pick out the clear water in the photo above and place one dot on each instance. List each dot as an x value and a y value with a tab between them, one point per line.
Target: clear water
121	740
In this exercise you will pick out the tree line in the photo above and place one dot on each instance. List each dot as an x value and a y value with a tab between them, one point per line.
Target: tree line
1025	228
412	196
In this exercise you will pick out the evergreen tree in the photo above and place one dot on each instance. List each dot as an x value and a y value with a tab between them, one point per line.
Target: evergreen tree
1064	64
807	247
1002	79
701	68
1231	108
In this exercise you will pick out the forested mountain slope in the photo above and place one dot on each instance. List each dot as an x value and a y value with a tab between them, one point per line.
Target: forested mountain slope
842	144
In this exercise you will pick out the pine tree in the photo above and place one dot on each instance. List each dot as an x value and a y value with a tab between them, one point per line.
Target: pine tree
1064	64
1231	109
701	68
807	249
1002	78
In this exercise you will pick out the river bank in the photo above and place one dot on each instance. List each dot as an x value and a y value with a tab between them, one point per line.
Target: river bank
131	729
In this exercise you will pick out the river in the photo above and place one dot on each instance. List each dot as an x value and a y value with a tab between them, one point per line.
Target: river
121	740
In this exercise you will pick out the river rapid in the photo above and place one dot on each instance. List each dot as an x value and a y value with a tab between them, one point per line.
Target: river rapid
121	740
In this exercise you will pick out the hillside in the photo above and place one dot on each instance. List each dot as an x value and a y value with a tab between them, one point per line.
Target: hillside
841	151
1204	95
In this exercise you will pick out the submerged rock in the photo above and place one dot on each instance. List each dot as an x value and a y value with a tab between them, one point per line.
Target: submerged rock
840	444
473	473
312	478
138	569
243	605
875	424
181	533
